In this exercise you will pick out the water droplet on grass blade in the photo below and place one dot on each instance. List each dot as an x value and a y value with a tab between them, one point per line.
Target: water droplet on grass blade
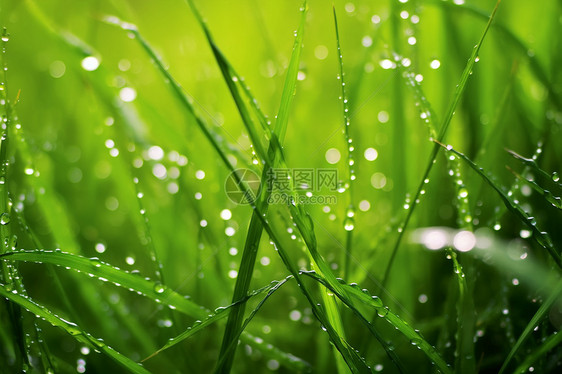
349	224
4	218
159	288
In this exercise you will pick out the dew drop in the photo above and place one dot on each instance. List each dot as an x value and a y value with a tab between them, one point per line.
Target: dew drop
159	288
349	224
4	218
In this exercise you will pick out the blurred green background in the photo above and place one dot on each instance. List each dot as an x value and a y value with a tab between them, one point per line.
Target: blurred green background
90	133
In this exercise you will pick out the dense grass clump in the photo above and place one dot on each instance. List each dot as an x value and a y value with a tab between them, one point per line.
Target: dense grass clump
292	186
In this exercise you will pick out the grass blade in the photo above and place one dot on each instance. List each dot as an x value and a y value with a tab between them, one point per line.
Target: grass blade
384	312
72	329
542	238
550	343
216	316
256	228
153	290
349	221
441	135
543	310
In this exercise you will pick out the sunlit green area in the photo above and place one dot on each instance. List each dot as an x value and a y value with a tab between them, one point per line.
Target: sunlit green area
155	216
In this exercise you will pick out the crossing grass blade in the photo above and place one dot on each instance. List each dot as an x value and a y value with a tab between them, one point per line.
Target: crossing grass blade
220	313
554	200
384	312
549	343
516	41
542	238
537	317
72	329
441	135
214	139
135	283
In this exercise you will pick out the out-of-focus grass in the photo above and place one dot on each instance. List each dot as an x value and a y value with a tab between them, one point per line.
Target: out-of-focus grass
101	159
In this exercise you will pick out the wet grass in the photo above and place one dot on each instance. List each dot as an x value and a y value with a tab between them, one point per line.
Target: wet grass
125	127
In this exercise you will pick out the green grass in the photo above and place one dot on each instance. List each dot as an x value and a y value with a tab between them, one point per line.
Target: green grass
126	124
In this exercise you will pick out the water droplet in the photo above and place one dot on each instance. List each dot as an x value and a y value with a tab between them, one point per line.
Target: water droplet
333	156
387	64
90	63
367	41
226	214
464	241
4	218
525	234
555	177
128	94
349	224
155	153
364	205
382	312
295	315
415	342
435	64
159	288
200	174
371	154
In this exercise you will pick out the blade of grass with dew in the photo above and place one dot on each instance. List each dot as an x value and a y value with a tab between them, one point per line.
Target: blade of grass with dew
398	134
464	350
134	282
72	329
255	228
551	342
533	165
386	345
8	271
213	138
555	201
254	232
384	312
541	312
540	237
355	363
131	281
288	360
349	221
442	132
350	355
292	363
535	64
47	202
